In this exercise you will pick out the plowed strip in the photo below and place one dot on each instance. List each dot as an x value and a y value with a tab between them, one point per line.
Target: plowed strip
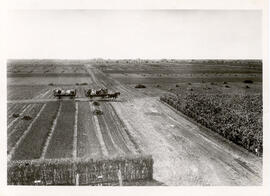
98	133
114	128
87	141
106	136
31	147
61	145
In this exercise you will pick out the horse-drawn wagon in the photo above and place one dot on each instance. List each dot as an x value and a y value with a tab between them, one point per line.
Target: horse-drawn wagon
103	93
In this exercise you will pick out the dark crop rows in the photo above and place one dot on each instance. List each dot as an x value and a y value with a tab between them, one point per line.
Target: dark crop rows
31	147
62	139
19	129
235	117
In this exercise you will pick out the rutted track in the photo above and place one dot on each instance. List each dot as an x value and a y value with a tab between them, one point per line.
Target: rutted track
184	152
88	144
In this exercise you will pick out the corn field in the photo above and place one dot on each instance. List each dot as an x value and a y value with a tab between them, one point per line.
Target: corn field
90	172
236	117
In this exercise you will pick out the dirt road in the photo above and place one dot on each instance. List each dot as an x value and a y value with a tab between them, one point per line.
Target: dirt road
184	152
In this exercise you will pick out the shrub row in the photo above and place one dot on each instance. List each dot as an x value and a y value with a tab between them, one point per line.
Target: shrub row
235	117
64	171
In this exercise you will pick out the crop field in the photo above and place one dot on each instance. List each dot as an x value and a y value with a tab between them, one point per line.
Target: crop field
235	117
201	121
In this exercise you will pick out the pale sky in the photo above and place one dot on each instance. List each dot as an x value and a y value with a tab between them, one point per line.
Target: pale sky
182	34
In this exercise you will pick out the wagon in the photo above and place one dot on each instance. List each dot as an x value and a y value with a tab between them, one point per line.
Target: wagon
103	93
64	93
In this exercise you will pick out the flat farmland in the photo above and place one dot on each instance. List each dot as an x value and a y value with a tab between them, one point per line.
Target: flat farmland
185	152
41	80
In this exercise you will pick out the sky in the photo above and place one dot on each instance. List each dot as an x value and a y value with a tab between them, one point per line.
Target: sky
155	34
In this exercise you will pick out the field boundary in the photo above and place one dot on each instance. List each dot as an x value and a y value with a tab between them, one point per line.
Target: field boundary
80	171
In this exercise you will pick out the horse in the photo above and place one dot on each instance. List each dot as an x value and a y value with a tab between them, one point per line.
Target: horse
114	95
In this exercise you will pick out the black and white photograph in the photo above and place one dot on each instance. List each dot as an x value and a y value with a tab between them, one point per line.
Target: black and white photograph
134	97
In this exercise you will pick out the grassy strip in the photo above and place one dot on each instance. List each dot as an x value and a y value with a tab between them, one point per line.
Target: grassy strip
235	117
32	145
61	144
64	171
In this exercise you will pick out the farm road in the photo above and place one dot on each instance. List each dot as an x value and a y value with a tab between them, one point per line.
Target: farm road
28	101
184	152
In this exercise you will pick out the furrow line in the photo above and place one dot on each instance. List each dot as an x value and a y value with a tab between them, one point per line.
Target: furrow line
98	133
121	129
44	94
44	150
119	150
10	155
